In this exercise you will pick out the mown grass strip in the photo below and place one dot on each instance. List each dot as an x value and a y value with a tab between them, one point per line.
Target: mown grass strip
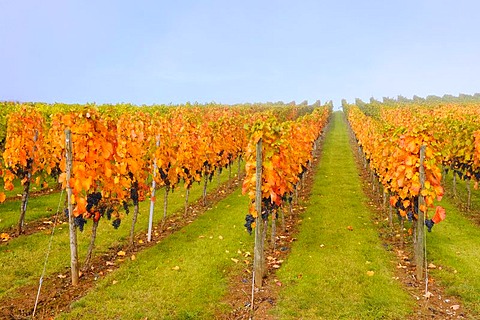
183	277
22	258
338	268
37	207
454	245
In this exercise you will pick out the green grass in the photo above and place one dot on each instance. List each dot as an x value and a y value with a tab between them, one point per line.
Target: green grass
454	244
21	260
461	199
148	287
325	276
37	208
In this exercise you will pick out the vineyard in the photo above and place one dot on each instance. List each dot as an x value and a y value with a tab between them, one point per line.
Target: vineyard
254	210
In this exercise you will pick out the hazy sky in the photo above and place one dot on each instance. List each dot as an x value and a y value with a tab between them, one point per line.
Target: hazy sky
146	52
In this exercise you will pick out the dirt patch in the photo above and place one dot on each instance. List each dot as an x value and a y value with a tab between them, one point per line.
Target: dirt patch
57	294
43	224
432	303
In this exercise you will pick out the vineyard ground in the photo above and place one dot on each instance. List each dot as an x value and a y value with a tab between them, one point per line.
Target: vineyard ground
22	258
338	266
460	200
41	204
453	254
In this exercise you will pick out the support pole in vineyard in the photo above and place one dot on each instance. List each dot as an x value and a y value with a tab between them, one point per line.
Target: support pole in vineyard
258	264
420	228
71	219
239	166
152	199
454	183
469	193
26	187
204	194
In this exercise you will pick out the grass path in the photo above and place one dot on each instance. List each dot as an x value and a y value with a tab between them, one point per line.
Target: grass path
454	245
333	272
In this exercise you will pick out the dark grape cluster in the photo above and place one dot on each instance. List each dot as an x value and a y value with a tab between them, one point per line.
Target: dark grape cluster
66	213
125	206
163	174
429	223
267	208
109	212
92	200
80	222
410	216
134	193
116	223
249	219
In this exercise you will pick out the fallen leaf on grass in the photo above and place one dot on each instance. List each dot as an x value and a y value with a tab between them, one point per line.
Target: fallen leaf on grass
61	276
432	266
455	307
140	241
114	282
4	236
121	253
370	273
176	268
350	228
234	260
133	257
109	263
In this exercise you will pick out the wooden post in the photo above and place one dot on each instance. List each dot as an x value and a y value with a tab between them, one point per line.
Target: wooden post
454	183
26	186
152	199
259	258
239	166
469	194
390	215
71	220
187	194
420	229
205	190
274	230
165	206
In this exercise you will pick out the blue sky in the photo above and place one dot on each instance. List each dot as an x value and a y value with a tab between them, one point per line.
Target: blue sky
147	52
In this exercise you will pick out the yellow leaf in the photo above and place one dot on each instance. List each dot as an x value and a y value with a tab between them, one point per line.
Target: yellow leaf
4	236
121	253
176	268
370	273
234	260
2	197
